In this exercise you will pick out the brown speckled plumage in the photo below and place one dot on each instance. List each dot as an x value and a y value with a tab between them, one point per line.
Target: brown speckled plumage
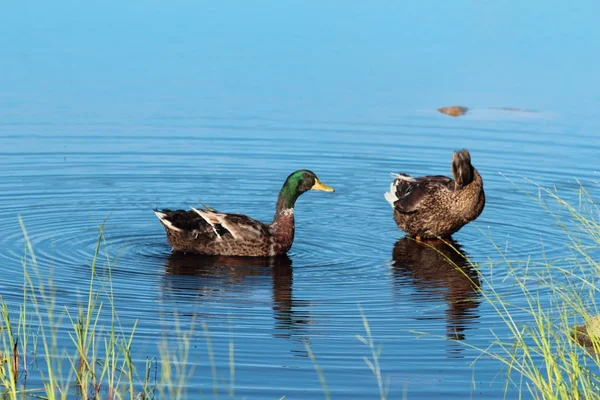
437	206
210	232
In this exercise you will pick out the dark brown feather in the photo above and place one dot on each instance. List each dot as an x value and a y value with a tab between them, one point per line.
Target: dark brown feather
186	220
411	193
438	206
189	221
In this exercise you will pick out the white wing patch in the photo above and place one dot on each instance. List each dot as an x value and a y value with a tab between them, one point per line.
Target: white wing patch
210	218
391	195
403	177
214	218
226	225
163	219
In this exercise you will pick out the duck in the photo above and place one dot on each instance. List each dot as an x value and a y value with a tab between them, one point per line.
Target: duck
433	207
207	231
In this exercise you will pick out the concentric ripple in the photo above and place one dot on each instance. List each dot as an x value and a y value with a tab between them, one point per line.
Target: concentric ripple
348	253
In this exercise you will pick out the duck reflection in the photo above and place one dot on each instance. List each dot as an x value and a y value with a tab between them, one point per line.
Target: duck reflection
215	275
441	268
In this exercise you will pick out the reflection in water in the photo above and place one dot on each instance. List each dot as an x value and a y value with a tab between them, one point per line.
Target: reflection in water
441	268
219	274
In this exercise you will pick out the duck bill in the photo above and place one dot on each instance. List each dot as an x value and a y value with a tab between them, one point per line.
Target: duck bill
322	187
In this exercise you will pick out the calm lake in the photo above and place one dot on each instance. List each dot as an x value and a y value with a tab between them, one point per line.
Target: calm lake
109	110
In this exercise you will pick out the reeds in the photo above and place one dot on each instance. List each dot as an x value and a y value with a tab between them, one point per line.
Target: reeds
97	363
543	348
542	352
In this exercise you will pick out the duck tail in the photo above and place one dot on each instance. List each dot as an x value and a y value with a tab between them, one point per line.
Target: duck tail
399	179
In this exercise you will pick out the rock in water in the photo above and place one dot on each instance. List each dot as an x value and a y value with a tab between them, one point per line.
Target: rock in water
454	111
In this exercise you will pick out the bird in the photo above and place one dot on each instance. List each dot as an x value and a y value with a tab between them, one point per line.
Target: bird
207	231
436	206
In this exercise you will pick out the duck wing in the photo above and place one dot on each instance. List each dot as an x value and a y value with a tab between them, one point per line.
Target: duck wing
232	226
183	221
407	193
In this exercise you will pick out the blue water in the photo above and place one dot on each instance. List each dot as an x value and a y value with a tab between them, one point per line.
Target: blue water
110	110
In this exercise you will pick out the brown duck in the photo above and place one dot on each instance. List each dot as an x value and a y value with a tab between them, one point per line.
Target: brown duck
210	232
437	206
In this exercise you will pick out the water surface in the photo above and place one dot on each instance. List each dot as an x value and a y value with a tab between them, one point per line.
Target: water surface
110	110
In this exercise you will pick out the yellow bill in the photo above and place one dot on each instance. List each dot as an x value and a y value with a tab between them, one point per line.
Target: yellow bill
321	186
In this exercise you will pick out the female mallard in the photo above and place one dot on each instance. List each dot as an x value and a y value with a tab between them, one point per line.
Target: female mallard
210	232
437	206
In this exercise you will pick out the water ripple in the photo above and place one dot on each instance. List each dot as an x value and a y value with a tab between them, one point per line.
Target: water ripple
348	252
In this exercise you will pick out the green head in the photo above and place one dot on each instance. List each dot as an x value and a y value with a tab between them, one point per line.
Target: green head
297	183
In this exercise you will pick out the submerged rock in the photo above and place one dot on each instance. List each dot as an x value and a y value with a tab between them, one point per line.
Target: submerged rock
586	334
453	111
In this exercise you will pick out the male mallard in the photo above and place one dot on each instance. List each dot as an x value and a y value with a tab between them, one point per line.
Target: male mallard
437	206
210	232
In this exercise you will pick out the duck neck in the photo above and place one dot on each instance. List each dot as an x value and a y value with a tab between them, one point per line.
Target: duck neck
286	201
282	227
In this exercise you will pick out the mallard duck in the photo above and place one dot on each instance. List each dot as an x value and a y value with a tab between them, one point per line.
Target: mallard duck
437	206
210	232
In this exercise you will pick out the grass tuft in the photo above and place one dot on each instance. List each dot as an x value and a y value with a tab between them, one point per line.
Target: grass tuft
542	353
